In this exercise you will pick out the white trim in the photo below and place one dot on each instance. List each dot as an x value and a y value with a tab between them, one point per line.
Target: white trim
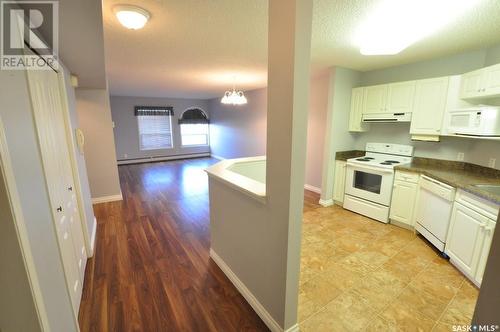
105	199
217	157
22	233
294	328
326	202
247	294
312	188
152	159
92	237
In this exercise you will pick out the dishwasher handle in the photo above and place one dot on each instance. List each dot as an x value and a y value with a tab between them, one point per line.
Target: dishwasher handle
438	188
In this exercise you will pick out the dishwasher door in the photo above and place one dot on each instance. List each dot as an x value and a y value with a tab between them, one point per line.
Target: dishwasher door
433	211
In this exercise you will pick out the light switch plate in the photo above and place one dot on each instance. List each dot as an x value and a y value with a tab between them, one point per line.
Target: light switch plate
460	156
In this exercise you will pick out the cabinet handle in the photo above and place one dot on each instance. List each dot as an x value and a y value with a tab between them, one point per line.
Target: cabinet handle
70	188
59	209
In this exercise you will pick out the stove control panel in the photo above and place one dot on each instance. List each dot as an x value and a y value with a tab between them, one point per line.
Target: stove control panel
395	149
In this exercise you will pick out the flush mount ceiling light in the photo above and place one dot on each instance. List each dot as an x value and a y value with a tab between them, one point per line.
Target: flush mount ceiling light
233	97
396	24
131	17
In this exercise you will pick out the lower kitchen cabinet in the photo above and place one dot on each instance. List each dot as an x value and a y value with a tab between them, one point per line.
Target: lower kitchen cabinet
339	184
404	193
469	238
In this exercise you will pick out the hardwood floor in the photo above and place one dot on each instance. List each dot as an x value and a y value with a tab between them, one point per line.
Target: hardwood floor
151	270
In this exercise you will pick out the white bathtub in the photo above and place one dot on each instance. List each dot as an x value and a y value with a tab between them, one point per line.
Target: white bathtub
247	175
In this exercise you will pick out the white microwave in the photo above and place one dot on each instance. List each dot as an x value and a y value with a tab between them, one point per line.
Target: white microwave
477	121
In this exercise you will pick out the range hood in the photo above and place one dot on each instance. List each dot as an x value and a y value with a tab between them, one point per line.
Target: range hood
386	117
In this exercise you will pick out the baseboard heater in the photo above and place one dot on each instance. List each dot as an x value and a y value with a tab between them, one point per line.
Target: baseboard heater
162	158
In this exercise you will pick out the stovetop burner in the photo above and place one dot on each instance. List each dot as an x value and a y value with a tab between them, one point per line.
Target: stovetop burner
391	162
364	159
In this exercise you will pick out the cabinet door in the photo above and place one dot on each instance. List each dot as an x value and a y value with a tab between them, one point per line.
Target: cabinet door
355	124
403	202
465	238
339	185
483	257
374	99
400	97
491	81
471	84
429	106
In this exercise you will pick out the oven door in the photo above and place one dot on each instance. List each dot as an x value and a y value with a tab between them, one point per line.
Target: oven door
370	183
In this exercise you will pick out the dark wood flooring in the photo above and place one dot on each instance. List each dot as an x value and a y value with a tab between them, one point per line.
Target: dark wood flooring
151	270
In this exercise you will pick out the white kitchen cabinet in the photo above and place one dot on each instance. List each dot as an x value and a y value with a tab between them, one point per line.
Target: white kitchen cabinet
404	193
400	97
389	98
339	182
355	117
483	258
482	83
375	98
465	238
429	107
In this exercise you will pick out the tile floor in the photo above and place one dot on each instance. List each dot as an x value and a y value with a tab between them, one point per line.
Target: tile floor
359	274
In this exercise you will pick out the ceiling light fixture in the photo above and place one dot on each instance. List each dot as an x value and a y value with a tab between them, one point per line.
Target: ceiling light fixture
396	24
132	17
233	97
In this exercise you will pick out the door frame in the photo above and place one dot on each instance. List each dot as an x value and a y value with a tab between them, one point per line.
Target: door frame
7	174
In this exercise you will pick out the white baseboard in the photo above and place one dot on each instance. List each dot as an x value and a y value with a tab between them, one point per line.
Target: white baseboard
105	199
92	237
217	157
153	159
247	294
312	188
326	202
294	328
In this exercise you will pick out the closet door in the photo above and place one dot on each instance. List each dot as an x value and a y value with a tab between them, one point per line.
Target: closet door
46	102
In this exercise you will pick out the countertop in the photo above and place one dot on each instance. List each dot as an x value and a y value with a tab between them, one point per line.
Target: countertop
457	174
344	155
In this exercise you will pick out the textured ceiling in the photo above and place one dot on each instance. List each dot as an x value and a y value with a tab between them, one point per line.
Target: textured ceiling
193	48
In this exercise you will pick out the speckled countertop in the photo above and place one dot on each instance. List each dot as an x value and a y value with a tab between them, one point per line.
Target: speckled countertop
344	155
457	174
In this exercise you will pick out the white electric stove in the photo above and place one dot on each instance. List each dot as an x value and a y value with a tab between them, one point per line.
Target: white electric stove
369	179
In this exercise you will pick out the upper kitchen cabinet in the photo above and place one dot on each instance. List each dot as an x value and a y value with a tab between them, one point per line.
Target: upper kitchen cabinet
375	98
389	98
400	97
428	108
481	84
355	118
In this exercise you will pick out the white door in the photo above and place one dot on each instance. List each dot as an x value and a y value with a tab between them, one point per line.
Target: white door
491	82
375	99
400	97
339	185
465	238
429	106
471	84
488	230
46	101
403	201
355	124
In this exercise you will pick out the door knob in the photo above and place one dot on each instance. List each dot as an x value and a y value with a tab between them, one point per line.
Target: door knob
70	188
59	209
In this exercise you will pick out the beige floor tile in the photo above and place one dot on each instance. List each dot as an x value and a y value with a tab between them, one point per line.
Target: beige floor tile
406	319
371	256
353	263
319	290
378	290
399	269
461	308
412	260
425	303
345	313
341	277
378	324
349	243
442	327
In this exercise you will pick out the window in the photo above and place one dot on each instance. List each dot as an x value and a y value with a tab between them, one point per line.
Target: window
194	127
155	127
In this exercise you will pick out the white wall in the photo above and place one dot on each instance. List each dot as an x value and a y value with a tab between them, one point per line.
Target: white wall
240	131
94	114
126	130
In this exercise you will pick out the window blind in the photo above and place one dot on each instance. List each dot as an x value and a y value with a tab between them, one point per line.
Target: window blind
155	132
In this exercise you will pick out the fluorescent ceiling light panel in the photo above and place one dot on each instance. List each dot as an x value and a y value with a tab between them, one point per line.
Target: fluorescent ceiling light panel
394	25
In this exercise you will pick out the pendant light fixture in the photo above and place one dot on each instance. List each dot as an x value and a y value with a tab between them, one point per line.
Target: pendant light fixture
233	97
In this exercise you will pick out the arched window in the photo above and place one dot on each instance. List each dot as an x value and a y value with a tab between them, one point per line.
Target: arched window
194	127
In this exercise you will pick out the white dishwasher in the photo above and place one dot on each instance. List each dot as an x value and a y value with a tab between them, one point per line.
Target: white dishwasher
433	210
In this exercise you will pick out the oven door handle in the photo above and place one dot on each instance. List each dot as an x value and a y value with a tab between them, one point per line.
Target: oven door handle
375	169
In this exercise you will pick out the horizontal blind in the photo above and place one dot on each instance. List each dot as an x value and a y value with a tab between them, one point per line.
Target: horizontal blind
155	132
194	134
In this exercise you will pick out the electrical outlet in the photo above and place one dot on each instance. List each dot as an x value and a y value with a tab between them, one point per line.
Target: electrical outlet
460	156
492	162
